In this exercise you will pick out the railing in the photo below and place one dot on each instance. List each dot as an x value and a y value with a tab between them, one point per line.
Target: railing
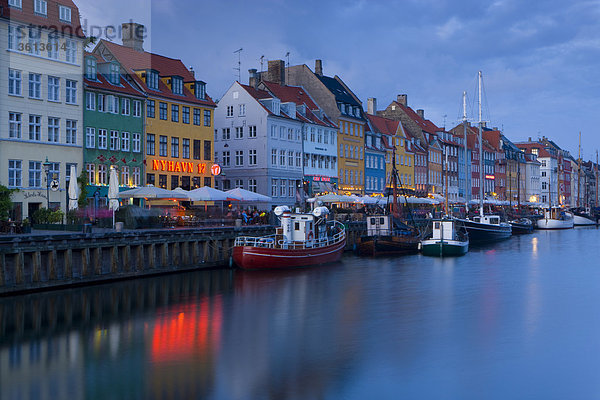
271	241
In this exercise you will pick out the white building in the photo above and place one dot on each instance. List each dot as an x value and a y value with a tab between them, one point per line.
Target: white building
41	95
533	191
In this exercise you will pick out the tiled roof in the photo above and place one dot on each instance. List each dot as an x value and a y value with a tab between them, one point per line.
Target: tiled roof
383	125
133	60
102	83
338	90
527	146
260	94
26	15
423	123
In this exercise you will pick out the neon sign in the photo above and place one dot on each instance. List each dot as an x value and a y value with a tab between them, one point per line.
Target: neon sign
178	166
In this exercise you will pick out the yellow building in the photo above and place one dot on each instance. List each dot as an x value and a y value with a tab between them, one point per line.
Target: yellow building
351	164
179	114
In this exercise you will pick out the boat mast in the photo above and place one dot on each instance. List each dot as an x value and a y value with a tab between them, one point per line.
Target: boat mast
519	181
465	145
579	171
596	202
395	208
446	179
480	150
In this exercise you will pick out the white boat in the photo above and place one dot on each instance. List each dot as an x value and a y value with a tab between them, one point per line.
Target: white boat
448	238
583	218
555	218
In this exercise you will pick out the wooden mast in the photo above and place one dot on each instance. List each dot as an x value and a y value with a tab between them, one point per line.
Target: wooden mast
480	151
465	146
395	208
579	172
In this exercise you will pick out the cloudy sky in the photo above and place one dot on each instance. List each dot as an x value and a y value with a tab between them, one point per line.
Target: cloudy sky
540	60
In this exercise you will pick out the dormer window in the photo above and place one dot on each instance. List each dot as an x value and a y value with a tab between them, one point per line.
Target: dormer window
200	90
115	74
152	79
90	68
40	7
177	85
64	13
276	106
15	3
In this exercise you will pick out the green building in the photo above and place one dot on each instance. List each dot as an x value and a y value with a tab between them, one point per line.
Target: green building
114	128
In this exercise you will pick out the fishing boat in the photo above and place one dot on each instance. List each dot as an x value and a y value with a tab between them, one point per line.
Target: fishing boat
555	218
302	240
448	238
582	218
388	234
521	226
485	228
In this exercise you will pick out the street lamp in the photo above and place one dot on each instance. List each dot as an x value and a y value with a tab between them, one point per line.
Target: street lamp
46	165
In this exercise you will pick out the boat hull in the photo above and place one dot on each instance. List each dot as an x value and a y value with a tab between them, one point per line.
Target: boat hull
387	245
520	229
578	220
446	248
483	233
555	223
254	258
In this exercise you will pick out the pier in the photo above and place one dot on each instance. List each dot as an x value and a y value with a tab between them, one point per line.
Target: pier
38	262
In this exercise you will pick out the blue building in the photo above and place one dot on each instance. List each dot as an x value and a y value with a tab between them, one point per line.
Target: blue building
375	151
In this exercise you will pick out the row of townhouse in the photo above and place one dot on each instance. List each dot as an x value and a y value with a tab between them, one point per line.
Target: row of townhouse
116	106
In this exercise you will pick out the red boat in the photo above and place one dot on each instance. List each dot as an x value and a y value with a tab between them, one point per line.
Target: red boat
302	240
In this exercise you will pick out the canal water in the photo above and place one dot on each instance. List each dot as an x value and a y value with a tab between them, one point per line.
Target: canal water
517	320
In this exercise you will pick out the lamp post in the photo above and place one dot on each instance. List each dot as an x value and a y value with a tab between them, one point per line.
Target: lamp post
46	166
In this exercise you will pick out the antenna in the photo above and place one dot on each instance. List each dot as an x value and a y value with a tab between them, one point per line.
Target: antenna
262	58
287	70
445	115
239	66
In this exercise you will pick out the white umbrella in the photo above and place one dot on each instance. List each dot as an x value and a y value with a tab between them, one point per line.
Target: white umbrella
113	190
333	198
246	195
152	192
73	190
367	200
206	193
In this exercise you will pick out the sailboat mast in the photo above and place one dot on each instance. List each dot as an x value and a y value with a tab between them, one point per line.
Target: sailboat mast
579	170
480	150
395	208
596	202
465	146
446	179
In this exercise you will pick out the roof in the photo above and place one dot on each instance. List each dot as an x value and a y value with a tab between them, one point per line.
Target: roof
542	149
383	125
425	124
339	91
102	83
133	60
26	15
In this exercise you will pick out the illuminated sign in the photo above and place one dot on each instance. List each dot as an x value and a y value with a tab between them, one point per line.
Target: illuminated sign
492	177
321	179
178	166
215	170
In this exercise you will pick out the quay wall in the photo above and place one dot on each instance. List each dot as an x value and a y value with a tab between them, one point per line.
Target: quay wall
39	262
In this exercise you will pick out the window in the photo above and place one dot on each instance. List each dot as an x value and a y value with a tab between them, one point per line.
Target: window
102	174
291	158
52	47
197	149
239	183
175	147
274	187
125	141
239	132
229	111
200	90
282	158
252	131
242	112
251	157
54	171
174	113
71	51
150	179
282	185
14	173
252	185
71	131
90	138
125	106
207	150
40	7
226	133
150	144
53	129
174	182
115	143
35	127
14	82
35	174
162	146
91	173
137	108
115	73
177	85
163	111
291	188
15	3
124	175
113	104
196	116
102	138
71	92
273	157
273	131
14	125
15	36
35	86
298	159
136	141
281	132
207	117
152	80
101	103
226	159
185	148
150	108
136	176
34	40
185	115
90	101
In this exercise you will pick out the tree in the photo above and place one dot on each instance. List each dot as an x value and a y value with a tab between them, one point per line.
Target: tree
5	202
83	193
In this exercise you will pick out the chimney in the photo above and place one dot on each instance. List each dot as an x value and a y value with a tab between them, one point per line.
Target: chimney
483	124
193	72
529	139
421	113
253	78
402	99
319	67
372	106
133	35
276	72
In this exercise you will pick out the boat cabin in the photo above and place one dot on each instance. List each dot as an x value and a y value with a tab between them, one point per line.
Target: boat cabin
379	225
443	230
487	219
302	228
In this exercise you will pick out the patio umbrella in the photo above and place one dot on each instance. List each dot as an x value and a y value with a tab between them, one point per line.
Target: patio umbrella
152	192
113	190
73	190
206	193
333	198
246	195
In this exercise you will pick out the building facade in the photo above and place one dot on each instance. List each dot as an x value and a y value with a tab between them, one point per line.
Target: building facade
548	159
41	106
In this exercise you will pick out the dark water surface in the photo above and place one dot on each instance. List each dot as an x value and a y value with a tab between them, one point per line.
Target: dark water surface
518	320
